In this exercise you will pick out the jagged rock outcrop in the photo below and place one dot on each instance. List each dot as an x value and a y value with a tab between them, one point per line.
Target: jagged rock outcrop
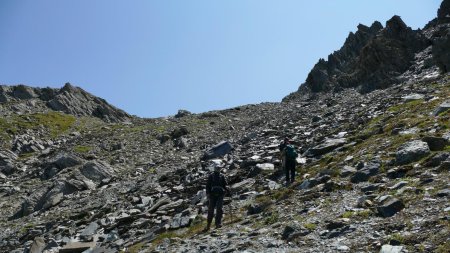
375	57
69	99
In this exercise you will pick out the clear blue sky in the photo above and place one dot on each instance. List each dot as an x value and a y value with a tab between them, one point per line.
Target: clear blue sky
152	57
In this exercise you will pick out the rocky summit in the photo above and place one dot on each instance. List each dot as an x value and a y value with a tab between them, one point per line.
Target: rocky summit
371	125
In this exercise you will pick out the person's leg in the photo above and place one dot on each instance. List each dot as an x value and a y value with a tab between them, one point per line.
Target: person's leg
219	211
212	204
293	172
286	169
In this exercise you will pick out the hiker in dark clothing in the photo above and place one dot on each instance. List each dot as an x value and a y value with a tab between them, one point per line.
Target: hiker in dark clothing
216	187
288	157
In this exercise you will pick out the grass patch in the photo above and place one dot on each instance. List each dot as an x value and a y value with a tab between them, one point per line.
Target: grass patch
82	149
397	237
310	226
273	218
56	123
283	194
135	248
443	248
25	156
361	214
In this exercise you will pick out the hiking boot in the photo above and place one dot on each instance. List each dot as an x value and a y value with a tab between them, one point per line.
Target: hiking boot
218	226
206	229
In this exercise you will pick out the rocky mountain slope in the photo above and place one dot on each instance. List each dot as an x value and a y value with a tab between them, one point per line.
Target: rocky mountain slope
69	99
375	57
78	175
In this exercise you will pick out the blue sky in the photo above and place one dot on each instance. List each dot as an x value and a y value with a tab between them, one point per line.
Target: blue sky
151	58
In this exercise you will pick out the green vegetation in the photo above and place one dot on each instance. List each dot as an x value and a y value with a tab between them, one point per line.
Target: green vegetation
272	218
397	237
135	248
282	194
82	149
25	156
310	226
443	248
196	227
361	214
56	123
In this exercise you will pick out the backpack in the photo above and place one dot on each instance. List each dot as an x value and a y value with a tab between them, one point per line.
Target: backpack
291	153
216	186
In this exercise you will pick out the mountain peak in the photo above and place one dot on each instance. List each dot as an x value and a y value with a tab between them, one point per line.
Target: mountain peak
69	99
375	57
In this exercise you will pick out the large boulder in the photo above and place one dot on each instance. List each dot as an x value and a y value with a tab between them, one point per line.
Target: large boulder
369	170
325	147
97	171
218	150
38	245
59	163
442	108
390	207
391	249
23	92
412	151
436	143
182	113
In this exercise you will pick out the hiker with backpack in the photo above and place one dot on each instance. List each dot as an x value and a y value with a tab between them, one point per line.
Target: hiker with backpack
216	187
288	158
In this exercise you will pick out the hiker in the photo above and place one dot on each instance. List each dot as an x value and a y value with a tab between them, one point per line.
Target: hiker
216	187
288	158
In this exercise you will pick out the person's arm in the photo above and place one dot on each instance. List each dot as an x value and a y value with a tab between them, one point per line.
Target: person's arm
225	185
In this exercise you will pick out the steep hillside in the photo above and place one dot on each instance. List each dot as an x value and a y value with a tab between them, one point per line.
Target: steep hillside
78	175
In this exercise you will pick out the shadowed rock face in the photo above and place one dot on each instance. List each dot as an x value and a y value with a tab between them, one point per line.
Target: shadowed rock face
69	99
370	59
375	57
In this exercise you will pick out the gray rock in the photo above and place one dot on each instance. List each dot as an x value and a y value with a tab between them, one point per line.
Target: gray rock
181	142
88	233
443	193
308	183
412	151
391	249
218	150
38	245
76	101
180	221
182	113
273	185
347	171
370	188
413	97
72	247
97	171
23	92
398	185
369	170
442	108
51	245
390	207
437	159
436	143
292	231
266	166
178	132
325	147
